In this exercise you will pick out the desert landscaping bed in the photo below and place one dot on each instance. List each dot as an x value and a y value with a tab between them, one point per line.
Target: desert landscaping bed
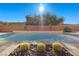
49	51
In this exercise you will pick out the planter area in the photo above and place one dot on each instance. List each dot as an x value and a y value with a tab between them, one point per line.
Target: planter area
49	50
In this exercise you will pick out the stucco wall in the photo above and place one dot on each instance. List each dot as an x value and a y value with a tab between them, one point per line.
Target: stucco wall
34	28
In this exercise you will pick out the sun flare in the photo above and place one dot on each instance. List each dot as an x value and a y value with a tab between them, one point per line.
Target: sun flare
41	8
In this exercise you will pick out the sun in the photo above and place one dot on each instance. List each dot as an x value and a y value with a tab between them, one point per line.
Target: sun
41	8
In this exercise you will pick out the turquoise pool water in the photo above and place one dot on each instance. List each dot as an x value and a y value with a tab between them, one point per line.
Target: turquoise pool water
33	37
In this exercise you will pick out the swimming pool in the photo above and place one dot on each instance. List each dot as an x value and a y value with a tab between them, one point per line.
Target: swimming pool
33	37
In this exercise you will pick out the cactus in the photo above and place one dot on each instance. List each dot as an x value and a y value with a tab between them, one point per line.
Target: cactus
57	46
24	46
41	47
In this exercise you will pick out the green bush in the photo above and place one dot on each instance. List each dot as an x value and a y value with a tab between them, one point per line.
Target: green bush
67	29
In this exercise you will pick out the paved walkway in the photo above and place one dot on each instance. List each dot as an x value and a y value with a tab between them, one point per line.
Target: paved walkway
72	48
7	47
72	44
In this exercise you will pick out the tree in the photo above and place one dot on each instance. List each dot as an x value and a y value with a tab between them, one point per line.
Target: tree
48	19
61	20
67	29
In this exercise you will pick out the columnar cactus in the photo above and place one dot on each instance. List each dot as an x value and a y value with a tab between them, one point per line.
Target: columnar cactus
24	46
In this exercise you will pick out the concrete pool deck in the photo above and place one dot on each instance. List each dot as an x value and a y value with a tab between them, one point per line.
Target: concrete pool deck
71	48
6	47
3	33
48	32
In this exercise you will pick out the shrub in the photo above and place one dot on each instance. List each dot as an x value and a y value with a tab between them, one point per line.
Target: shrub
24	46
41	47
67	29
57	46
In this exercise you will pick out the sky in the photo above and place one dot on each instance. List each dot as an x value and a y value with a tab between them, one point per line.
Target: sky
16	12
